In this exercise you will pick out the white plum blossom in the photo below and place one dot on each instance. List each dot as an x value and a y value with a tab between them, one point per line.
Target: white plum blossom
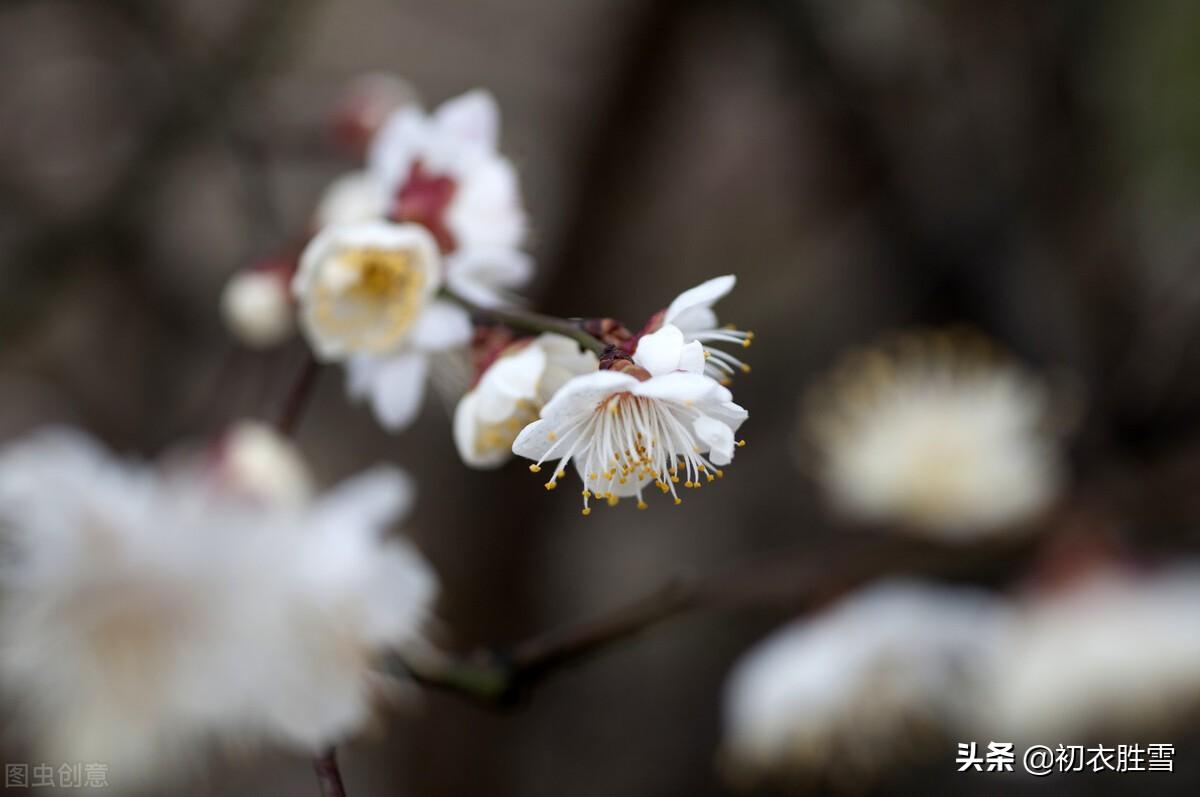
692	313
146	615
368	298
864	684
656	422
940	435
257	307
1116	652
443	170
511	392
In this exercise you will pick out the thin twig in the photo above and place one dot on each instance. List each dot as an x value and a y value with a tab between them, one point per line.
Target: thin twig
298	395
329	775
528	321
798	580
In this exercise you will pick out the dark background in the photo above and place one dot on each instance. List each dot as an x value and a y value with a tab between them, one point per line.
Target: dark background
862	165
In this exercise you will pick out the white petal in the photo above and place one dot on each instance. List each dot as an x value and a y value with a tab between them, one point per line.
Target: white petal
472	118
486	276
691	358
679	386
398	143
717	437
583	394
466	431
660	352
509	380
704	295
376	498
394	385
441	325
534	440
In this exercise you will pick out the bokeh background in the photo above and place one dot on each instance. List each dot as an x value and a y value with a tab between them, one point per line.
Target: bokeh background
1030	168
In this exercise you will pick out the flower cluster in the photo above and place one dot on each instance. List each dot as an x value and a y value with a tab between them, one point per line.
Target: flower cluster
893	669
414	264
150	610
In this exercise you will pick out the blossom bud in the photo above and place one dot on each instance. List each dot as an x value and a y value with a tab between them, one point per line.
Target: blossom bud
255	460
365	105
257	307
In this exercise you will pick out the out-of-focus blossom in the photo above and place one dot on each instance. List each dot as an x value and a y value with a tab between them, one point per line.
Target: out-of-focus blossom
1115	653
511	392
443	170
257	307
368	298
653	419
868	683
692	312
146	615
938	434
257	461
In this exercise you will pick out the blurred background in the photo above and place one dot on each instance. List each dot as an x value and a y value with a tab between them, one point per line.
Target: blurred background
1030	168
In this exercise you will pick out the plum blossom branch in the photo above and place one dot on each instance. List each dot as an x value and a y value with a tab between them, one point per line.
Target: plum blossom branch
297	396
795	579
528	321
329	775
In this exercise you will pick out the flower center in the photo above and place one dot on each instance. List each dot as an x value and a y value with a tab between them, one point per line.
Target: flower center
424	199
371	297
626	443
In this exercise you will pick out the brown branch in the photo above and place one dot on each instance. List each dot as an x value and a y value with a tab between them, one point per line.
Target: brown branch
529	321
297	396
798	580
329	775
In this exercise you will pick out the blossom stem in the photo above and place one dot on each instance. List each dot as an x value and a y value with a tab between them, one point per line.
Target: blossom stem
297	396
329	776
528	321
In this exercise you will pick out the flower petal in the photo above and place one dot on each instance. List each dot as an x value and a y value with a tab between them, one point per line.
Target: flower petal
660	352
472	118
691	358
466	430
510	379
394	386
485	276
397	144
441	325
681	386
717	437
376	498
701	297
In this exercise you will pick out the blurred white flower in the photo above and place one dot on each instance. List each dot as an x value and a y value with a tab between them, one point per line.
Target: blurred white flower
368	297
257	461
511	392
352	198
656	421
1113	653
145	616
940	435
692	313
443	170
863	685
257	307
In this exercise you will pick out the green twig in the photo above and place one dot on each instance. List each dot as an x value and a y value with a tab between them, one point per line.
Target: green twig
529	321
